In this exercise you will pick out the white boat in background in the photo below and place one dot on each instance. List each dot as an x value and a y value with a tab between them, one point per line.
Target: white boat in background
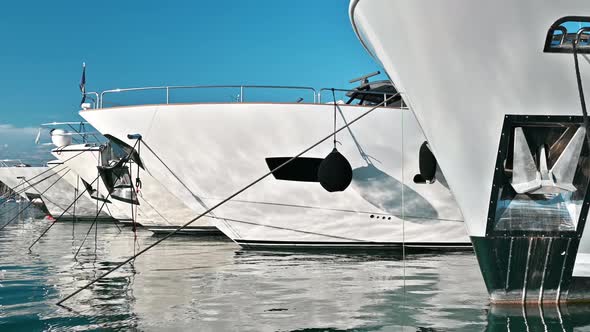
82	183
216	148
493	86
8	191
48	188
154	207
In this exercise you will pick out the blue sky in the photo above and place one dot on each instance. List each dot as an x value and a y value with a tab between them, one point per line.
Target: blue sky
139	43
142	43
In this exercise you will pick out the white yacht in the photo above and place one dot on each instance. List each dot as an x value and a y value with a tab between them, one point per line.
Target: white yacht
7	192
205	151
153	206
494	87
48	189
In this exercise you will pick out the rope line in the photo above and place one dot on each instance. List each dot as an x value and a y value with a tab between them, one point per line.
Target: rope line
102	206
224	201
45	171
197	198
56	219
31	202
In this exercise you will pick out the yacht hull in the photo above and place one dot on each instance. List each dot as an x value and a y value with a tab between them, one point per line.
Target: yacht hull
217	149
473	73
157	206
55	192
82	164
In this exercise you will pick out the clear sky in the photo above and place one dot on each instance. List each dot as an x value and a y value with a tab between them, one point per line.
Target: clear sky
139	43
142	43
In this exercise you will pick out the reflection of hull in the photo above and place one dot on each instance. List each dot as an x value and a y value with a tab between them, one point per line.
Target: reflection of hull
536	318
219	148
488	76
56	197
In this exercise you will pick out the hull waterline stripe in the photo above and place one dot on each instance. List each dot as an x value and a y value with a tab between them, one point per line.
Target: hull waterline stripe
358	244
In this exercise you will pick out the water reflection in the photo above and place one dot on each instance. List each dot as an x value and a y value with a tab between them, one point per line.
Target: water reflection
210	284
539	318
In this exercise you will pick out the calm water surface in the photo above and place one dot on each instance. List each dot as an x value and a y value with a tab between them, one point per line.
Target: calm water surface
210	284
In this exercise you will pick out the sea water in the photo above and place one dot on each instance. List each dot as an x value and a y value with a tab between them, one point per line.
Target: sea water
211	284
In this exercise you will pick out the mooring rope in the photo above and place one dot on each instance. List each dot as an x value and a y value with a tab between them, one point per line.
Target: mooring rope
31	202
76	190
45	171
106	199
334	100
56	219
44	197
225	200
197	198
102	206
32	185
90	228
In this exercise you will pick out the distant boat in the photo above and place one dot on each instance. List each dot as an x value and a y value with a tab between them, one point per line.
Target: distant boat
46	188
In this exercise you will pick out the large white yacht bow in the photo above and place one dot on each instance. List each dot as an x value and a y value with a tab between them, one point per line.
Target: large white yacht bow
493	86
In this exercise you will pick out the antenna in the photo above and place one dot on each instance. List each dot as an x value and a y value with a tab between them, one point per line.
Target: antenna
365	78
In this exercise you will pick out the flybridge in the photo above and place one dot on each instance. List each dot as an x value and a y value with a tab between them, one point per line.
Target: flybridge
367	94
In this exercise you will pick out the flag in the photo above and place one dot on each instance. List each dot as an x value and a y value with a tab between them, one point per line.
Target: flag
83	83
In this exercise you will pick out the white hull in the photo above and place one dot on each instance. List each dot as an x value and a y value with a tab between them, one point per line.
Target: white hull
56	197
465	68
461	92
216	149
82	160
157	206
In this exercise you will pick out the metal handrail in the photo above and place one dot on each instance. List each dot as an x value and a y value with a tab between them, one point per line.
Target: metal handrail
317	95
76	132
97	100
52	124
580	33
7	162
179	87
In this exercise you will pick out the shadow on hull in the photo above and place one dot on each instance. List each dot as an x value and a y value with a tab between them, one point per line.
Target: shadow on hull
385	192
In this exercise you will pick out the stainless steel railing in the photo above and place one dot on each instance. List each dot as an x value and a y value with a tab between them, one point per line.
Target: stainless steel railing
242	89
11	162
78	132
245	93
94	98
